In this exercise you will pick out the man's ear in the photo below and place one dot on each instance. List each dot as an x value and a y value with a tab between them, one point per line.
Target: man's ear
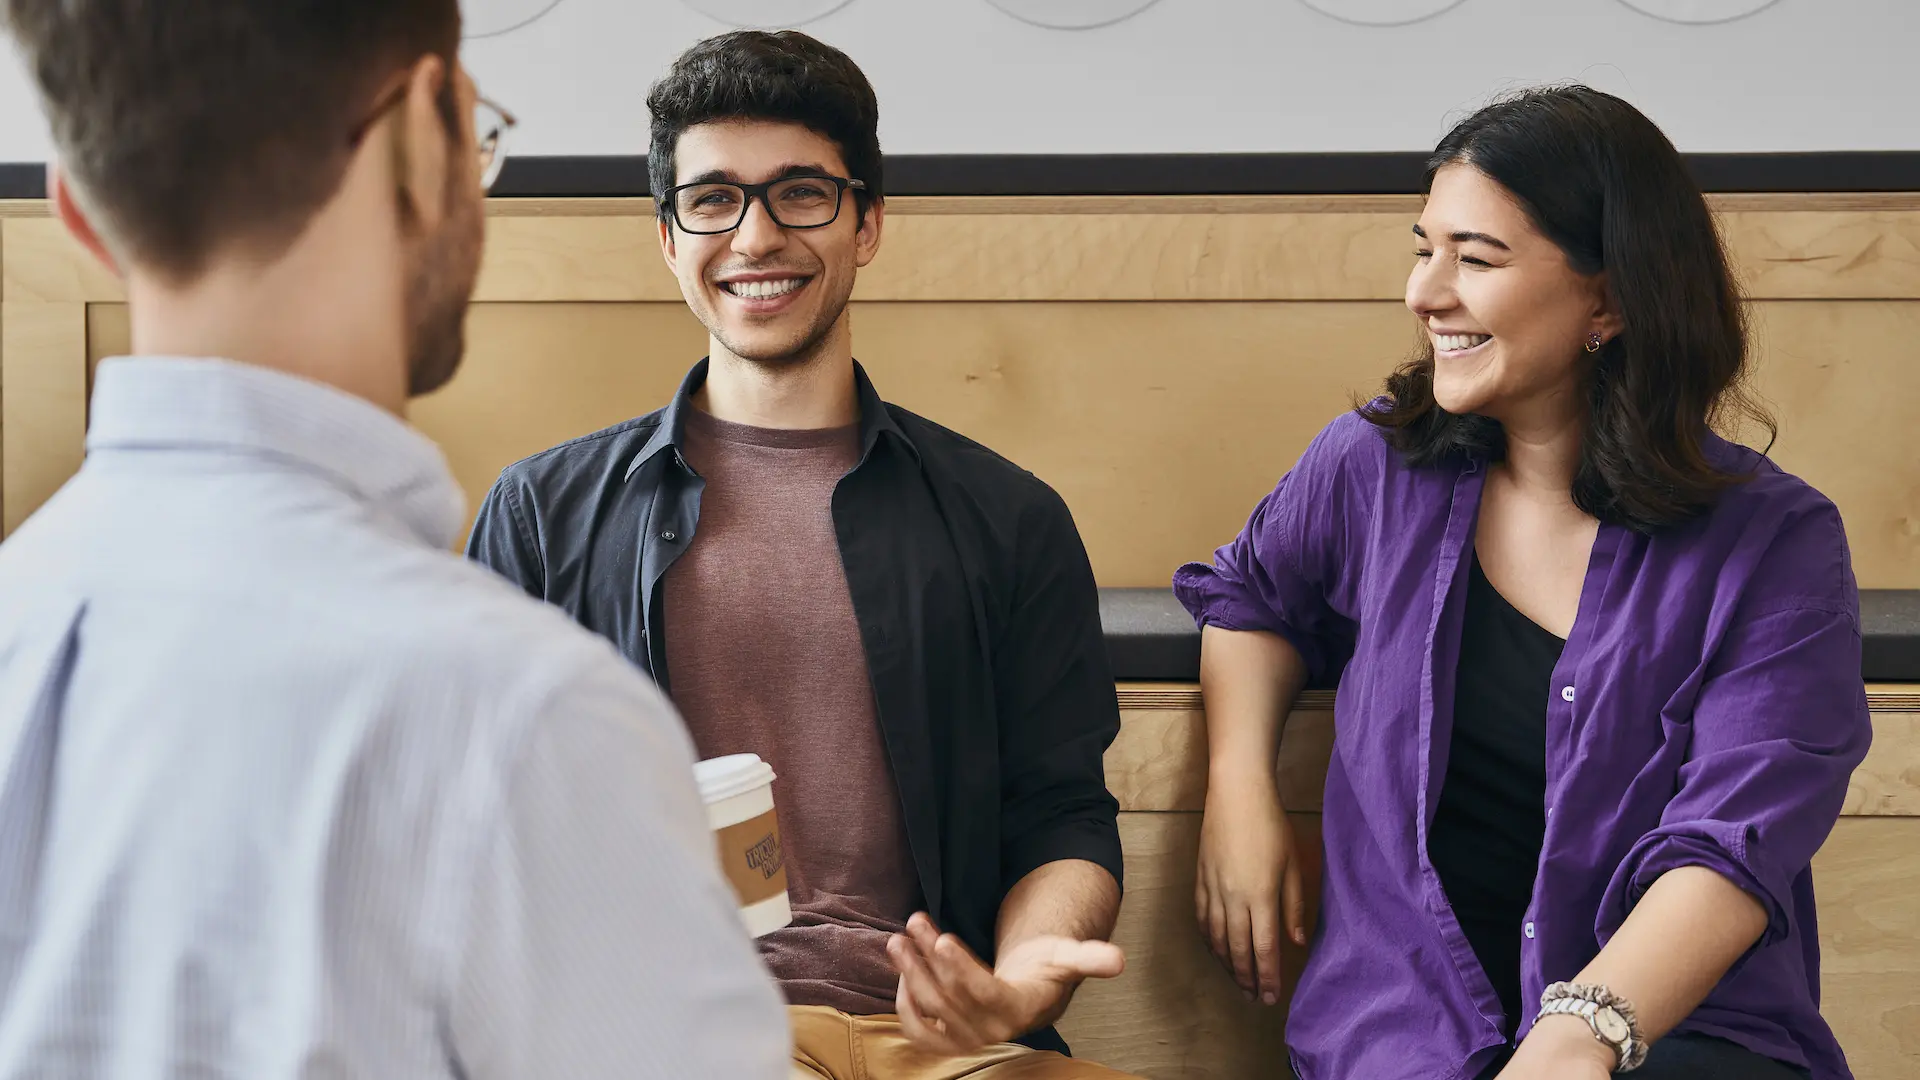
422	146
867	241
66	207
668	250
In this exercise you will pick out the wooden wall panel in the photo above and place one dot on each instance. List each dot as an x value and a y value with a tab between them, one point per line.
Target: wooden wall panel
1843	377
1162	423
43	409
1867	879
539	374
1175	1014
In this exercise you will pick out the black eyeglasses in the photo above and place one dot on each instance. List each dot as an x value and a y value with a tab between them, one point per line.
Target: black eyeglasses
793	202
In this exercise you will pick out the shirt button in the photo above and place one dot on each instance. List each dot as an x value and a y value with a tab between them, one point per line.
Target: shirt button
670	536
1529	931
1566	693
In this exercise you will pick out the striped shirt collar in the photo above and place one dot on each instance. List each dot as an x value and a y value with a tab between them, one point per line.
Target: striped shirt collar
174	403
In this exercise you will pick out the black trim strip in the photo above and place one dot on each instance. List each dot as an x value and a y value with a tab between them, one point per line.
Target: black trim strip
1169	174
1151	638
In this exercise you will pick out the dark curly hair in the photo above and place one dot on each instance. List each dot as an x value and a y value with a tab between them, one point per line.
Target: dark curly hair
1605	185
760	75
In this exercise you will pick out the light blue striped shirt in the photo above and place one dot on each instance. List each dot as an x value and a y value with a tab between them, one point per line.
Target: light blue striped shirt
287	790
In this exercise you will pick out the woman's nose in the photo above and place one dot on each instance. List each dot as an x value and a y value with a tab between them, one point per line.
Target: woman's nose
1429	289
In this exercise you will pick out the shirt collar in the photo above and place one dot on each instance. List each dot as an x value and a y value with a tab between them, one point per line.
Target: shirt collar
150	403
875	418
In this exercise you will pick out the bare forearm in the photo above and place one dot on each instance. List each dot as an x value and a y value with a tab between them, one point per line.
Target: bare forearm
1248	680
1071	898
1680	940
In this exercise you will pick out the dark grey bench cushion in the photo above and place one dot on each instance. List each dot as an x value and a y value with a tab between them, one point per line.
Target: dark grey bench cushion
1151	638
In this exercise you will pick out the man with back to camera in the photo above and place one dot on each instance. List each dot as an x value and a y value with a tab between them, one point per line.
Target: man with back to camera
903	623
286	789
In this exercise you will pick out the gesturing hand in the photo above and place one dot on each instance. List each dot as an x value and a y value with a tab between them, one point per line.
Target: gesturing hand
951	1003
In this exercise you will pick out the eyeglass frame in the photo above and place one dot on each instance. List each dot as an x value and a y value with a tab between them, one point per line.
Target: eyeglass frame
843	184
492	148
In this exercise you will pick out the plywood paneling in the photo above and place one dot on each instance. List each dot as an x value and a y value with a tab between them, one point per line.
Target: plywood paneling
1159	761
1160	424
1843	377
43	410
1867	879
1176	1014
1163	424
539	374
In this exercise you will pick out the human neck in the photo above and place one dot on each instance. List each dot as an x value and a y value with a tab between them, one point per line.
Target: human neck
322	312
1544	445
802	393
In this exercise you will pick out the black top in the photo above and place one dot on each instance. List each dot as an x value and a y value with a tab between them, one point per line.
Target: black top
977	610
1487	831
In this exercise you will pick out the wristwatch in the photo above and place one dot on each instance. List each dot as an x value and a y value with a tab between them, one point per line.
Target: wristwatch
1608	1014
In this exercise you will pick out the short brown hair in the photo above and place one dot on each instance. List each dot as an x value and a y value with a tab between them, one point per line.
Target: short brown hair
191	124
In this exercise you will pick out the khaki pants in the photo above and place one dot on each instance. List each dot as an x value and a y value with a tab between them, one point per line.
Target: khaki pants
830	1045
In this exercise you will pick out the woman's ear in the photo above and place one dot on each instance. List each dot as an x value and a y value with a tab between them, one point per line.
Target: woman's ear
66	207
422	145
1606	321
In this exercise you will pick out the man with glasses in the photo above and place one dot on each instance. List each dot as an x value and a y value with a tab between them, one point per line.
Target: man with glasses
903	623
286	788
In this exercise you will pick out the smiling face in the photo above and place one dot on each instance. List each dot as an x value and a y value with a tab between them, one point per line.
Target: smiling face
1505	312
768	294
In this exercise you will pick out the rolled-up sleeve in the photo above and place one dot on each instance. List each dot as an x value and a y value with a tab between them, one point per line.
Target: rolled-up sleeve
1058	710
1277	574
1778	726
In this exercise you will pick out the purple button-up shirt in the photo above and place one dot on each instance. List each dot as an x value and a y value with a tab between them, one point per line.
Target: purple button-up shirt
1707	711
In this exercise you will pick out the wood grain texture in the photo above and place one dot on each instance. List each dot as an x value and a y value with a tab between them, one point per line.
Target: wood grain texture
594	258
1887	784
1176	1013
44	263
1867	878
43	403
1159	761
1163	424
1841	378
1811	255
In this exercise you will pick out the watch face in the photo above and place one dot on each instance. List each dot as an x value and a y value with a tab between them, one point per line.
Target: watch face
1611	1026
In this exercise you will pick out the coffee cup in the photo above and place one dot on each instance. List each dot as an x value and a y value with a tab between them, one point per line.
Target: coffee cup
738	791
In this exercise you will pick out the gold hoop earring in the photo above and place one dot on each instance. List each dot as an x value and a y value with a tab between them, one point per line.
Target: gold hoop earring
1594	343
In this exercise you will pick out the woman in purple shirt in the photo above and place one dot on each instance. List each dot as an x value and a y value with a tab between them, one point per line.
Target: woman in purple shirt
1599	668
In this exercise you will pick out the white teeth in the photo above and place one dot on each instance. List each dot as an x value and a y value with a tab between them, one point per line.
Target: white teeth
1459	342
762	290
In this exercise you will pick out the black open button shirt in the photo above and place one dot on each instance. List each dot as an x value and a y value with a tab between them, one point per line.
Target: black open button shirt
977	608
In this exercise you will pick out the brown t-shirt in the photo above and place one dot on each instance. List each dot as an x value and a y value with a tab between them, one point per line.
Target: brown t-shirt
764	656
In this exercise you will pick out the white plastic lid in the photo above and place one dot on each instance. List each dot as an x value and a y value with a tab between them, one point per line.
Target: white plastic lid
722	778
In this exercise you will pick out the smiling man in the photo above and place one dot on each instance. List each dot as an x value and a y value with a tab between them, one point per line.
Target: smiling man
902	622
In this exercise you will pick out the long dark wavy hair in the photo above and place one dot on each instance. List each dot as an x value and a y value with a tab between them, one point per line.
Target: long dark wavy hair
1606	186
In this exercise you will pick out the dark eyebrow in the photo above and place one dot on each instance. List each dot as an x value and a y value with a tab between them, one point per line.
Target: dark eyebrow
1467	238
725	176
1480	237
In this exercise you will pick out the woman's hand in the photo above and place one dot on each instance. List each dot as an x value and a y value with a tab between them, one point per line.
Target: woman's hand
1249	880
1560	1048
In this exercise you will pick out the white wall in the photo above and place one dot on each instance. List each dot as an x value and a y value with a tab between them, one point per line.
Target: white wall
964	76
